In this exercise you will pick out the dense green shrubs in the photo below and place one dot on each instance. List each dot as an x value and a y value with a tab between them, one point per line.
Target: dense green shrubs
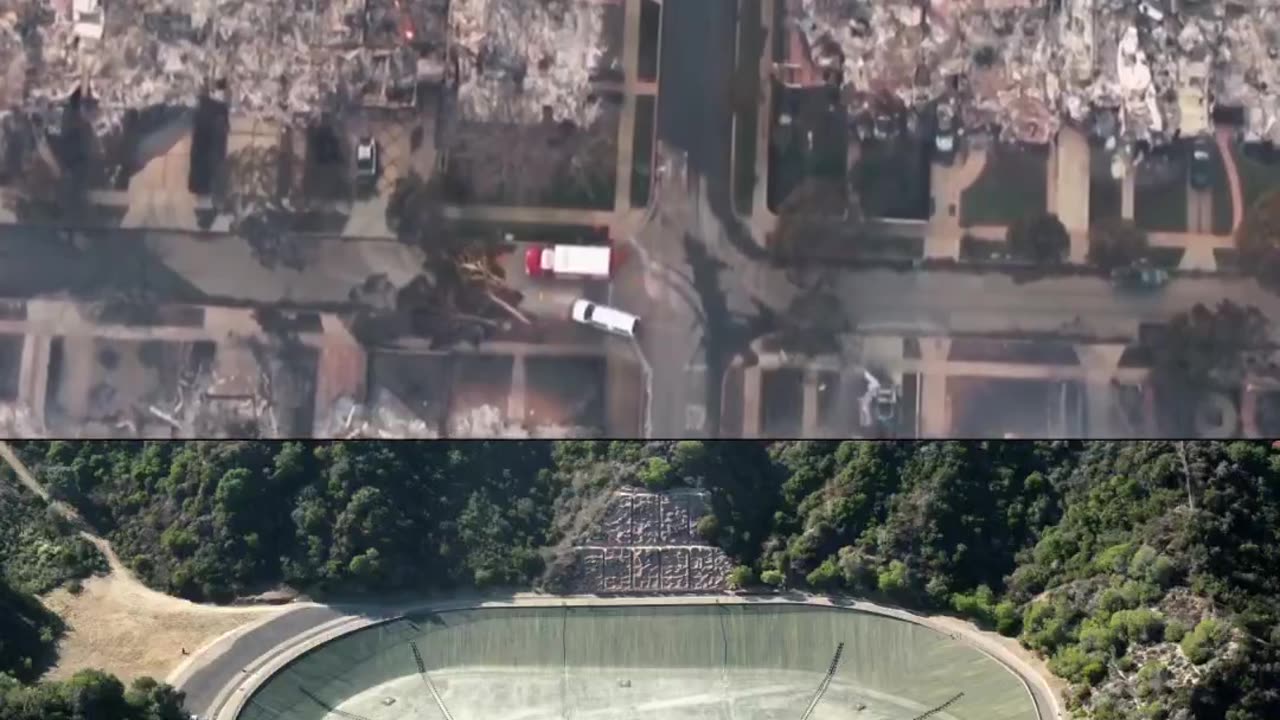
1202	643
741	577
90	695
38	549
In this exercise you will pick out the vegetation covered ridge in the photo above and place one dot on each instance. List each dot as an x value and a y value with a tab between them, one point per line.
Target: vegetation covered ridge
1143	571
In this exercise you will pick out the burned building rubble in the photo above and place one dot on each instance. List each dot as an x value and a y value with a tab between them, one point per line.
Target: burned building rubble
1248	45
272	61
551	65
1023	67
519	61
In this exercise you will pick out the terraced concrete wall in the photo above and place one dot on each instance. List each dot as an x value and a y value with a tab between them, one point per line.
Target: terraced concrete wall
881	654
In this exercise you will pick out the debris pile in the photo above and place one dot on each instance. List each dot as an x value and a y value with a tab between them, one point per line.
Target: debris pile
384	417
268	60
1024	66
17	421
1249	69
520	62
388	417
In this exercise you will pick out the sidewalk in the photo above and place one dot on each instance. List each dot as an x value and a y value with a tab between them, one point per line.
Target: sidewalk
762	219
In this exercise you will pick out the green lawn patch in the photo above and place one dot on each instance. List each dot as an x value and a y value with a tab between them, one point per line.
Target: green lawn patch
1223	214
1256	178
892	178
642	151
1160	194
1104	190
1011	186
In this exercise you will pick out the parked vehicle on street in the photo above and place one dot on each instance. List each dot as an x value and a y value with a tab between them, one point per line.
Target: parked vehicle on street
367	162
1151	12
604	317
1201	163
594	261
1139	278
944	134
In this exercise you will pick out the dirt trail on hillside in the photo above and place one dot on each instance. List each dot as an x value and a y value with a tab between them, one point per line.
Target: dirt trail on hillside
120	625
114	628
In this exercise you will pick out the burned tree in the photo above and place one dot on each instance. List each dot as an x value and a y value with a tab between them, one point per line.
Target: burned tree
818	212
461	293
260	213
1040	238
1200	352
1117	243
57	162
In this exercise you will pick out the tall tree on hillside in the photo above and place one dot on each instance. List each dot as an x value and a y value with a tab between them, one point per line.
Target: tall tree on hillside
28	631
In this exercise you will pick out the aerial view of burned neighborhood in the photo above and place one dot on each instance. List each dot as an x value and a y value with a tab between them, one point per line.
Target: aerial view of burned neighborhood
639	218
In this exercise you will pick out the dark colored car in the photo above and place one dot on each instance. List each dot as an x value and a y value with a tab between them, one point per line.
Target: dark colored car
1201	163
1139	278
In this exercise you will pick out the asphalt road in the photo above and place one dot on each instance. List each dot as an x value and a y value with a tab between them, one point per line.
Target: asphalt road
188	267
221	671
693	242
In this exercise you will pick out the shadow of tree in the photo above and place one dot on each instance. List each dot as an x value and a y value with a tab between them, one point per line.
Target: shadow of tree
725	334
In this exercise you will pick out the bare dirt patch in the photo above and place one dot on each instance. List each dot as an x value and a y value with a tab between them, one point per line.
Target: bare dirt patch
114	627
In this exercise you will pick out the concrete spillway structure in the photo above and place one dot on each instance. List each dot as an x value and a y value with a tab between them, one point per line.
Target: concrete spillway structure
670	662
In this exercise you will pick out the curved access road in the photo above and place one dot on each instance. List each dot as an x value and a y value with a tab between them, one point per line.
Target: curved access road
220	678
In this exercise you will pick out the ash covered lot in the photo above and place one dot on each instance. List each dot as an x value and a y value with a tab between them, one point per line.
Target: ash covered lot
539	96
1025	66
528	93
272	60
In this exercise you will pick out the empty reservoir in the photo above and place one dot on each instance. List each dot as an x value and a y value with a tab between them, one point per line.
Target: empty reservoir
662	662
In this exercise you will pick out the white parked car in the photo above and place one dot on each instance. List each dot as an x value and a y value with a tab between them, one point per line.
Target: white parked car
606	318
88	18
1151	11
367	162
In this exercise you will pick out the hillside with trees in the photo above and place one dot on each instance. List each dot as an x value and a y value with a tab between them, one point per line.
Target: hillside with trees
27	634
1144	572
38	549
38	552
89	694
